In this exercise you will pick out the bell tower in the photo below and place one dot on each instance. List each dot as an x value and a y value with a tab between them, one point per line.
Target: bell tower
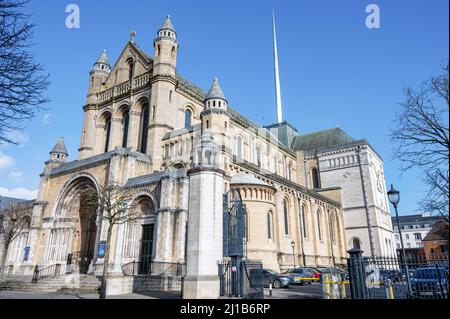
163	96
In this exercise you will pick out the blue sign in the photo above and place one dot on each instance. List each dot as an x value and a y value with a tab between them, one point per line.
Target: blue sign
26	253
101	249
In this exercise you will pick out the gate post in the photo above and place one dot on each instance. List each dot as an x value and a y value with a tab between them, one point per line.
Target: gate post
357	274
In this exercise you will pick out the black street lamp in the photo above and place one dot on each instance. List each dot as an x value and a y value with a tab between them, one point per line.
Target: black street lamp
394	198
293	252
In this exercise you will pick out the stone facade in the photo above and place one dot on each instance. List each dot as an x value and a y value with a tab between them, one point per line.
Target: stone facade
144	130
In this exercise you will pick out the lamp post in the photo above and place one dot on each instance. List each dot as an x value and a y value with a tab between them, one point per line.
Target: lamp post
293	252
394	198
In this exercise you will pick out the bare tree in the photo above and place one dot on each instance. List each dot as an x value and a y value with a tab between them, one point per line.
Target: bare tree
114	208
13	220
22	80
422	138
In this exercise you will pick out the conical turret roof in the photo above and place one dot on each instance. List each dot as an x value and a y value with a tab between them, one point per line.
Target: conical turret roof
103	59
60	147
168	24
216	91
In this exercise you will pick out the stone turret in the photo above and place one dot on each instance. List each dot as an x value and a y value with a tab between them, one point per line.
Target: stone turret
166	49
59	152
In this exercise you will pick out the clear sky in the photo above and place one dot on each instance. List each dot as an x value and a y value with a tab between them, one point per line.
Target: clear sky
334	70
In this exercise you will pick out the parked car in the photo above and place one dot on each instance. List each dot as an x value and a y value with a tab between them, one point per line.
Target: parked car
277	280
390	275
301	275
430	282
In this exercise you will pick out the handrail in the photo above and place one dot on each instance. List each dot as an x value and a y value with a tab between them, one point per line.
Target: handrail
135	268
49	271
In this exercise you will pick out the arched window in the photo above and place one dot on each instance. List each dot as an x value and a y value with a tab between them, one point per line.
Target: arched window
303	219
286	216
275	165
258	157
315	178
319	225
356	243
269	225
144	128
125	126
130	69
187	119
332	238
239	147
107	132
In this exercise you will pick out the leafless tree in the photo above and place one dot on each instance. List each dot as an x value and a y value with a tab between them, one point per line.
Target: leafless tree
422	137
22	80
114	208
13	221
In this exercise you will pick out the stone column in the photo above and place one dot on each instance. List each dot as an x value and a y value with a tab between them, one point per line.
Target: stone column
205	233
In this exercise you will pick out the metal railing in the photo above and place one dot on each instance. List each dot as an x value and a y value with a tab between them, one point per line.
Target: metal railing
241	279
136	268
7	270
387	277
79	262
50	271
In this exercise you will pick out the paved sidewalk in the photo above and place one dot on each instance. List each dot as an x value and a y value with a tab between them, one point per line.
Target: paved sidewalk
51	295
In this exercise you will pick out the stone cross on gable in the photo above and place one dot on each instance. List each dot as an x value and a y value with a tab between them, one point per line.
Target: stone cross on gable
132	36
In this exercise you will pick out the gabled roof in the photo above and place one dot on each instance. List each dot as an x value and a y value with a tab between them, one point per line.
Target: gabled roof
322	139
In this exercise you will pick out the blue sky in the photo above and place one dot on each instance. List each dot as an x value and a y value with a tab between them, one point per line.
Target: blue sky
334	71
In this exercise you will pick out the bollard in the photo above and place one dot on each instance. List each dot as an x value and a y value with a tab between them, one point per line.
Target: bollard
270	289
325	286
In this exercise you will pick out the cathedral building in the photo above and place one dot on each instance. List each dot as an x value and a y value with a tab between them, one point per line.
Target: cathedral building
178	149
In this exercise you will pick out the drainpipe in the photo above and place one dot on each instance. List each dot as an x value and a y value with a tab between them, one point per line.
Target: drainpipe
369	222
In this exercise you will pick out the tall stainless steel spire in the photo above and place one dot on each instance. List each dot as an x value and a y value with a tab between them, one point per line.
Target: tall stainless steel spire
277	72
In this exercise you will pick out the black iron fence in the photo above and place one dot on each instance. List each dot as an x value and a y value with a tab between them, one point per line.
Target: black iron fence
154	268
241	279
50	271
416	277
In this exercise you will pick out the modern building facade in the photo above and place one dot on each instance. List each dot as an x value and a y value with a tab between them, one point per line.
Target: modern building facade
414	229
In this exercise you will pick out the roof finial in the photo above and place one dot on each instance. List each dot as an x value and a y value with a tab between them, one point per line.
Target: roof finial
132	36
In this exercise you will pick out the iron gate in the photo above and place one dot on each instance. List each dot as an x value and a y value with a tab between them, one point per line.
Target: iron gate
239	277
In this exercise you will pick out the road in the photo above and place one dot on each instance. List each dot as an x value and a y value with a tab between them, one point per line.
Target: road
313	291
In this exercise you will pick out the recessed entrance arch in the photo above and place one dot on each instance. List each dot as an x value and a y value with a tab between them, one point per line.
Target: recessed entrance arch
139	235
75	234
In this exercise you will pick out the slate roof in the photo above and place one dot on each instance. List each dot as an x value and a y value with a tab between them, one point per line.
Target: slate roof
322	139
103	59
60	147
167	24
216	91
243	178
6	201
415	219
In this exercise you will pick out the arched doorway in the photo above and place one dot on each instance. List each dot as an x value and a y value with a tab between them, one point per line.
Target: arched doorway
139	235
76	244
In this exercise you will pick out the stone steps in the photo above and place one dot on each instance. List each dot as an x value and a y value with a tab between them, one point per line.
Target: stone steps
67	283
